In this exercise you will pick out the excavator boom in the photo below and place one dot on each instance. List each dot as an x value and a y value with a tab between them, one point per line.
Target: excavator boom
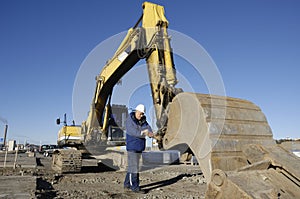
151	42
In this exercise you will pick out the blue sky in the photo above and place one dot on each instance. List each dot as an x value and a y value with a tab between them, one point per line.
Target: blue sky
254	43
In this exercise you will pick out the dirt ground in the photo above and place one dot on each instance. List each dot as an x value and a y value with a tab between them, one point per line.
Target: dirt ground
99	181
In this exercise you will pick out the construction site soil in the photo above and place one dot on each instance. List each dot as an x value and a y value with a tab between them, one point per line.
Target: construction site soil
33	177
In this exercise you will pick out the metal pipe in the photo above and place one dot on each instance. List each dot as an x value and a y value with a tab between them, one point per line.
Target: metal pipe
16	155
137	23
5	133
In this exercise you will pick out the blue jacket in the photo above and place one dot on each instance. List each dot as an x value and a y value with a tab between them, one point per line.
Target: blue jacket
134	140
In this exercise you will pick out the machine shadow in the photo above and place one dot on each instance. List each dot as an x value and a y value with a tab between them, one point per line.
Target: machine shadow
163	183
100	168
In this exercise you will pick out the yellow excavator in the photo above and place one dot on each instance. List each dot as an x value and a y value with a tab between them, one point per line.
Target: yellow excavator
230	137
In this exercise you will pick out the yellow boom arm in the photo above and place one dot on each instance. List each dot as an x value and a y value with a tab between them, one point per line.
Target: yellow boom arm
150	41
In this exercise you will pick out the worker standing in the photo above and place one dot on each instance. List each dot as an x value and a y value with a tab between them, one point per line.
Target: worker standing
137	128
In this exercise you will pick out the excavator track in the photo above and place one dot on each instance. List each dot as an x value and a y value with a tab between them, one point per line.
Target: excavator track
234	146
67	161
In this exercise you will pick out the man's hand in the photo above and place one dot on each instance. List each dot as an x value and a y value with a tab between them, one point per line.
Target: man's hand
150	134
147	133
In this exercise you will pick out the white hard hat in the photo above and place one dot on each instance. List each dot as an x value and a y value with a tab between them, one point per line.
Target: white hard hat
140	108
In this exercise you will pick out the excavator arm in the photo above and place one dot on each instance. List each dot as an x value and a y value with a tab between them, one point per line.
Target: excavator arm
149	41
128	54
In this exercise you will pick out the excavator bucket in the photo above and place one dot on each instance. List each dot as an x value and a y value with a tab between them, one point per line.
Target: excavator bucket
234	146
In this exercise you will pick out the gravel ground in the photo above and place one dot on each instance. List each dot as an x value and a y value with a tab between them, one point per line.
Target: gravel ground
171	181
